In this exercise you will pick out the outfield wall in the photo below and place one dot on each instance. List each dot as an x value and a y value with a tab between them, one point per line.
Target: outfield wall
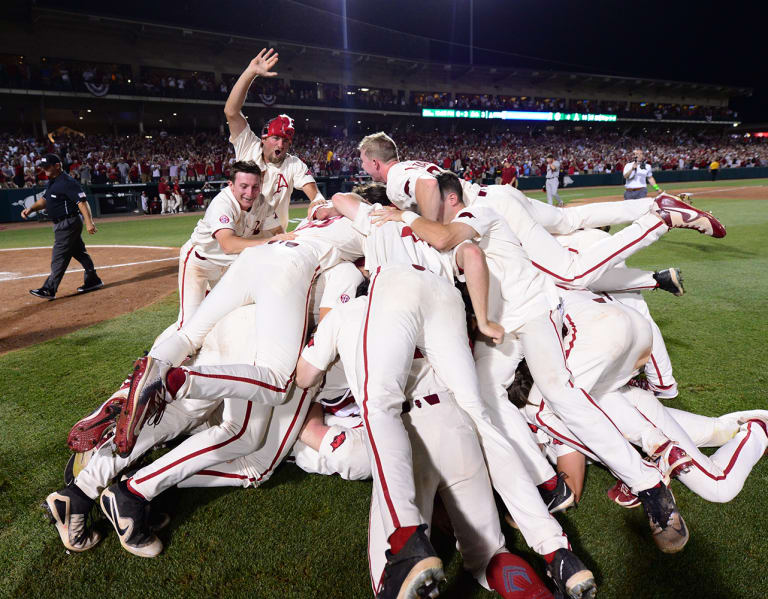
117	199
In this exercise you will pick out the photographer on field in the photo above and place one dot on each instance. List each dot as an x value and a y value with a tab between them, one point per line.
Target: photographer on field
638	174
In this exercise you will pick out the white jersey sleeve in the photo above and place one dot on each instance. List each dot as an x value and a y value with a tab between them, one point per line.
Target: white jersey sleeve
248	147
301	174
479	218
341	284
323	347
401	182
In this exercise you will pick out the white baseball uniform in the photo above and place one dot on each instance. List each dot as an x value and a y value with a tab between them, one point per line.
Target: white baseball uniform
202	262
604	344
277	277
534	223
445	448
277	180
528	309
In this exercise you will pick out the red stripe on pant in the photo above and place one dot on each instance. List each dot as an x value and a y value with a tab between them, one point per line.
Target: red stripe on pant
201	451
377	459
183	278
222	474
242	379
599	264
286	436
661	384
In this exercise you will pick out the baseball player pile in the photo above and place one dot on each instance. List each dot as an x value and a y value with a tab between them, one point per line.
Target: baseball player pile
440	337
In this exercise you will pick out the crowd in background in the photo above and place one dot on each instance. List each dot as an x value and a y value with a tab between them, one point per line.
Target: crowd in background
97	159
69	75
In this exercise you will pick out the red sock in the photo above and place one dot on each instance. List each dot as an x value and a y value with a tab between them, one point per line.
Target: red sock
400	537
550	484
174	380
513	578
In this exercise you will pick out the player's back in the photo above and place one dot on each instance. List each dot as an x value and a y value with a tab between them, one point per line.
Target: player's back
402	178
332	240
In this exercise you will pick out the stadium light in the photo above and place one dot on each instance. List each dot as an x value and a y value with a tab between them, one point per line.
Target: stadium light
516	115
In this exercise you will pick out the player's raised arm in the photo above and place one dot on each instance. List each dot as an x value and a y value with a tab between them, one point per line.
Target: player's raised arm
260	66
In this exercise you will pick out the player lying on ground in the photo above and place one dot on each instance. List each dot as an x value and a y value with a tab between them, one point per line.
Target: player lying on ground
444	449
526	302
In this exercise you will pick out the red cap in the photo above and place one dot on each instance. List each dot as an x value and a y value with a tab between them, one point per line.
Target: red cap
281	125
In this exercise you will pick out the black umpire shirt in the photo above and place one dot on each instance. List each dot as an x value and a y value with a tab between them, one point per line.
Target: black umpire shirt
62	196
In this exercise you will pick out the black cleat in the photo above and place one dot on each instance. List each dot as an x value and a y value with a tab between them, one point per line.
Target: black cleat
91	286
560	498
415	572
571	577
129	514
43	293
667	525
68	510
670	280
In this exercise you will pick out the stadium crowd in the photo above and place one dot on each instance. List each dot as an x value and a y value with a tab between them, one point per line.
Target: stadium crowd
70	75
96	159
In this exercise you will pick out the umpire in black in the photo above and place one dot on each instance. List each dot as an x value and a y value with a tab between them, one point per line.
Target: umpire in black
65	202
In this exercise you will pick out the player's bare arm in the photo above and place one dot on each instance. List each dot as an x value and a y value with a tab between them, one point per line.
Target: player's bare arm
231	243
471	259
260	66
441	237
347	204
307	375
427	195
314	428
85	210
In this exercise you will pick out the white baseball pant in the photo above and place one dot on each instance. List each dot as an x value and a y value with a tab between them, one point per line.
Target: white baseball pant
277	279
447	459
410	308
196	275
571	269
551	186
164	203
245	429
546	358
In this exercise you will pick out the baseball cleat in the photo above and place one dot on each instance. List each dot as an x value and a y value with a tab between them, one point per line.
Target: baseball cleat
145	402
686	197
78	461
89	431
68	510
672	460
667	525
571	576
129	514
677	214
414	572
43	293
623	495
670	280
747	415
560	498
668	392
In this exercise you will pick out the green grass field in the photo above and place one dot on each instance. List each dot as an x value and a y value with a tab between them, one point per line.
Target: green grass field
303	536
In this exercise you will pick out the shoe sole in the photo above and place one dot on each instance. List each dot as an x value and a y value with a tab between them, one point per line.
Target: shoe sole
565	505
677	281
581	585
45	297
135	413
87	433
150	550
89	289
52	517
423	579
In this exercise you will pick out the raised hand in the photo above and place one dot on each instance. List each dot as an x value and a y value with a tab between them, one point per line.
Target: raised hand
263	63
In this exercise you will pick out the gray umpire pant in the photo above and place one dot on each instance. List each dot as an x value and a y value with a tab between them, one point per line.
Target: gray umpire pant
551	186
68	243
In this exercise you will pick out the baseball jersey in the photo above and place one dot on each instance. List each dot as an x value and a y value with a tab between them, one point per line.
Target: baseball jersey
334	287
332	240
401	183
339	334
639	176
518	291
396	243
224	212
277	180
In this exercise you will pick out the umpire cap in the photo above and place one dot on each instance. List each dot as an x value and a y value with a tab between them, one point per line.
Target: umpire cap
49	160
